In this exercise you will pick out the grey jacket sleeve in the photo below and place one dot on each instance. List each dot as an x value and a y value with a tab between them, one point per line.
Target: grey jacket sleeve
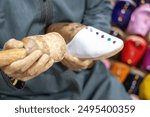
98	14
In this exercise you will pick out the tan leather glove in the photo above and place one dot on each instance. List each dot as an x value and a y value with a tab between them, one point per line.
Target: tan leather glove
75	63
29	67
32	55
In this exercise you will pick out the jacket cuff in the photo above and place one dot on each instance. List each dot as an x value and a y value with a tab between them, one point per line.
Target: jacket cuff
13	83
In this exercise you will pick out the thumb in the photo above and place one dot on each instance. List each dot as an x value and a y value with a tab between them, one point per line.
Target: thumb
13	43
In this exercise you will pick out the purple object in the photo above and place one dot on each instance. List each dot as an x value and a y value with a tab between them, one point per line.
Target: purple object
140	21
137	2
122	12
131	1
146	60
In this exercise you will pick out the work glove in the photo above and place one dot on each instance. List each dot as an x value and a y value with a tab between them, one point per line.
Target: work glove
29	67
75	63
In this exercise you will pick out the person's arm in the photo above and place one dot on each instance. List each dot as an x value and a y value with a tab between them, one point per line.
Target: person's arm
98	14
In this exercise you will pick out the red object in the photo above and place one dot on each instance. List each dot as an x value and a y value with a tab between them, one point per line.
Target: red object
134	49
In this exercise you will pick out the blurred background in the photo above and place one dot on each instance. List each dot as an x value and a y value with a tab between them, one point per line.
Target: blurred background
131	23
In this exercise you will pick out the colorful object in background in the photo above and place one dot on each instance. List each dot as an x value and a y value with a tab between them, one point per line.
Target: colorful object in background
133	81
122	12
107	63
139	2
120	70
144	89
148	37
134	49
140	21
117	32
146	60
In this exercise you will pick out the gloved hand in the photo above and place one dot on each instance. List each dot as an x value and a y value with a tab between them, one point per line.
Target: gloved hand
29	67
75	63
39	53
85	44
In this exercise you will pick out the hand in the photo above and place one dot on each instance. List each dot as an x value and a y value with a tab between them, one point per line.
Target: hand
75	63
31	66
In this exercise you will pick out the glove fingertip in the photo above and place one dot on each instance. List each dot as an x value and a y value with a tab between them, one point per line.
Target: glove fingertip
13	43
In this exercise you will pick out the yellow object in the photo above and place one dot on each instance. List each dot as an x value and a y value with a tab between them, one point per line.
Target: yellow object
144	89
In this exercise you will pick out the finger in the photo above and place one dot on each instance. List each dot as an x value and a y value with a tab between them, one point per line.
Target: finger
13	43
79	63
75	63
34	69
40	64
13	67
30	60
71	65
71	60
26	76
22	64
47	66
67	64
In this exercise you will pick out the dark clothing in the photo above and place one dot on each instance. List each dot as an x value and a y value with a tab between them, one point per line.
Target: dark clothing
21	18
